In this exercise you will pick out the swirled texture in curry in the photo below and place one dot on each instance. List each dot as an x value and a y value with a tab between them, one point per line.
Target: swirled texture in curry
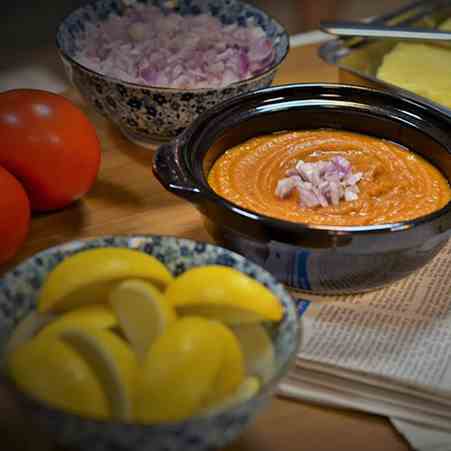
397	184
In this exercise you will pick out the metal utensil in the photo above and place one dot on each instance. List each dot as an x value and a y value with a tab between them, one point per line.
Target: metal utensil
408	12
383	31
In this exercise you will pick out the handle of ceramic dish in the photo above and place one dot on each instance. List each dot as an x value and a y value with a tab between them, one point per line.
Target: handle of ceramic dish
169	168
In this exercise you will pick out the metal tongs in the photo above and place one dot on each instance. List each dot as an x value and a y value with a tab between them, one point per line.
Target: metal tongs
383	31
387	26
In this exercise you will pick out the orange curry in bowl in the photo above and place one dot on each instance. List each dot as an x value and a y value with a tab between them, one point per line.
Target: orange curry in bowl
382	182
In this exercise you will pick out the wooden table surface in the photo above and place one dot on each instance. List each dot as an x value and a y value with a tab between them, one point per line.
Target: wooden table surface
128	199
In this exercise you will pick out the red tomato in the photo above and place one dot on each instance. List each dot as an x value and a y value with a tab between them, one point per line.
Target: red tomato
49	145
14	213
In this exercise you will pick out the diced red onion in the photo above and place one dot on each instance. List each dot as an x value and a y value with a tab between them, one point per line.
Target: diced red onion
321	183
334	193
350	196
145	46
308	198
285	186
352	179
321	197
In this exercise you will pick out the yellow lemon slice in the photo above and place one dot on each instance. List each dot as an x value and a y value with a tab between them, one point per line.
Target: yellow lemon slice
257	348
228	315
112	361
232	371
224	286
91	316
51	371
143	313
180	370
87	277
27	328
248	389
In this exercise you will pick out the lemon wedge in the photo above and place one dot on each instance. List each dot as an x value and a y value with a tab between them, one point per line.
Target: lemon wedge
27	328
248	389
88	276
180	370
232	371
223	286
90	316
51	371
257	348
143	313
227	315
112	361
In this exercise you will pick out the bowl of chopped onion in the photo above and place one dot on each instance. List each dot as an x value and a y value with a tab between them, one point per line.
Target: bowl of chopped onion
152	66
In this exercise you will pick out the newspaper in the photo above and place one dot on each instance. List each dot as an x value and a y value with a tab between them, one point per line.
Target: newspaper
386	352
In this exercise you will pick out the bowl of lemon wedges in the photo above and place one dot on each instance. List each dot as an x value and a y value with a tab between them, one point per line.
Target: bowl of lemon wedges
143	342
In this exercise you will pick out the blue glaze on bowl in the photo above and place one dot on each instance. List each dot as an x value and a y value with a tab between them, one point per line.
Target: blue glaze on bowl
147	114
18	293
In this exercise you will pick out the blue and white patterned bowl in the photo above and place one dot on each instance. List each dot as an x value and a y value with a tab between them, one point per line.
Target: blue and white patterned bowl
18	292
147	114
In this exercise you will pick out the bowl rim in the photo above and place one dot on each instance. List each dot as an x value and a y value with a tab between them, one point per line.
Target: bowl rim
275	64
266	389
222	107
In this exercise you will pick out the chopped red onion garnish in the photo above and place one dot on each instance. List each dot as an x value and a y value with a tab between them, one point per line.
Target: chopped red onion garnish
145	46
321	183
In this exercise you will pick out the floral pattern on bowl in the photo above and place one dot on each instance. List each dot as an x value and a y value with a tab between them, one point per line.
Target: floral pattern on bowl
18	292
147	114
